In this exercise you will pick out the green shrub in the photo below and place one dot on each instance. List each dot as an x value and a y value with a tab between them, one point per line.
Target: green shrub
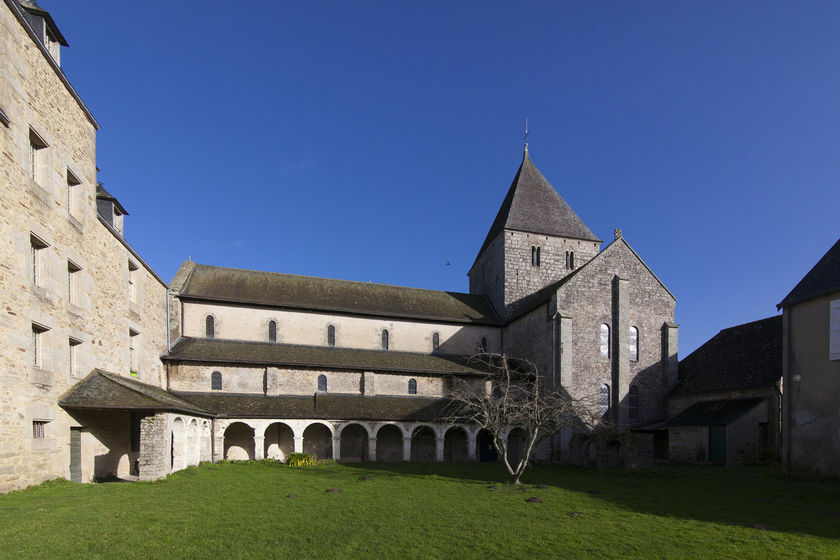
301	460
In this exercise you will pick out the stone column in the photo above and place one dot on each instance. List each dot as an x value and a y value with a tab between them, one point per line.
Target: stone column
336	448
407	448
155	454
259	447
439	449
218	447
298	444
472	441
372	449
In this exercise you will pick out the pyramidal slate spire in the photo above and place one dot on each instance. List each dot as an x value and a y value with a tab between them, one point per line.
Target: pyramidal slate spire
533	205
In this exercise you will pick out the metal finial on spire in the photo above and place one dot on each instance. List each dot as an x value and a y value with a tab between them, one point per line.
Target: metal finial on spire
527	132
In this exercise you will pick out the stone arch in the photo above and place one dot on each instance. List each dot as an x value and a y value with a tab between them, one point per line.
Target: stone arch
205	452
353	443
423	444
517	439
239	442
178	442
486	449
456	443
317	440
389	443
279	441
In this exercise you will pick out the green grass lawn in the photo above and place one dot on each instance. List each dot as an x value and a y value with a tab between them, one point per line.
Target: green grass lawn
427	511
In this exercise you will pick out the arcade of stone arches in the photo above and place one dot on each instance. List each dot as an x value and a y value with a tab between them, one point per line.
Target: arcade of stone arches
351	441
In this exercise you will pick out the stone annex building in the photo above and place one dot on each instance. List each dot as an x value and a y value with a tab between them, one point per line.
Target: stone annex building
107	370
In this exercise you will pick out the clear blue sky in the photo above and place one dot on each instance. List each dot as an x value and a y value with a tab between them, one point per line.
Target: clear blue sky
374	141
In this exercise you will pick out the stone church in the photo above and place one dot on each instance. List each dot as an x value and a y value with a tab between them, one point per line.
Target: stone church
111	371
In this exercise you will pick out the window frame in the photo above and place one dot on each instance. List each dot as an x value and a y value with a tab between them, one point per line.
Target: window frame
412	386
36	247
272	331
435	342
604	349
38	345
209	326
216	381
331	337
386	339
604	399
633	343
322	383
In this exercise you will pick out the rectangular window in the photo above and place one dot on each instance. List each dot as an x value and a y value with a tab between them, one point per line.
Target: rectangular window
133	277
36	264
38	344
73	183
73	282
133	357
37	153
38	429
72	357
834	330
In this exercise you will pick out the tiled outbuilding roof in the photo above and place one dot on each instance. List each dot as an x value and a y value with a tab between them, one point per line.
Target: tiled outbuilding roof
104	390
322	406
215	350
233	285
533	205
748	355
823	279
714	413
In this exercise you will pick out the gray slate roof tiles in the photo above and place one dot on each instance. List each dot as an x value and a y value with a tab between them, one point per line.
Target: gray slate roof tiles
215	350
533	205
714	413
321	406
104	390
823	279
273	289
748	355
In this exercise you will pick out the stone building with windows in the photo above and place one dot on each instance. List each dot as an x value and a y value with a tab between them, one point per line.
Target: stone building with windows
76	296
108	371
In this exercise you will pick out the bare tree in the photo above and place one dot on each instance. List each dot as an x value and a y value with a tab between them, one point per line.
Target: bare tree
517	400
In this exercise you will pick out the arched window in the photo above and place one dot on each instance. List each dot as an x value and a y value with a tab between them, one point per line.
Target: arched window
571	259
435	342
483	345
272	331
567	260
634	344
412	387
384	339
633	402
604	399
216	381
322	383
210	326
533	256
330	335
538	256
604	341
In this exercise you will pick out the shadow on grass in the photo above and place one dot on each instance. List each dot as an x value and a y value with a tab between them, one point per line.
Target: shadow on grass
757	498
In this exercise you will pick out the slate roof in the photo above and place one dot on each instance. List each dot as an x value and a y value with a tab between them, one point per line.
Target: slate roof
823	279
104	390
105	195
213	283
714	413
533	205
748	355
322	406
216	350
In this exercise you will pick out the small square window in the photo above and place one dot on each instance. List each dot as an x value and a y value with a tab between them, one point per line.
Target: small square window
38	429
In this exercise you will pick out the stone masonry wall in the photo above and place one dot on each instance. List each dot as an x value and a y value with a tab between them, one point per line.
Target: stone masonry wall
97	316
309	328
